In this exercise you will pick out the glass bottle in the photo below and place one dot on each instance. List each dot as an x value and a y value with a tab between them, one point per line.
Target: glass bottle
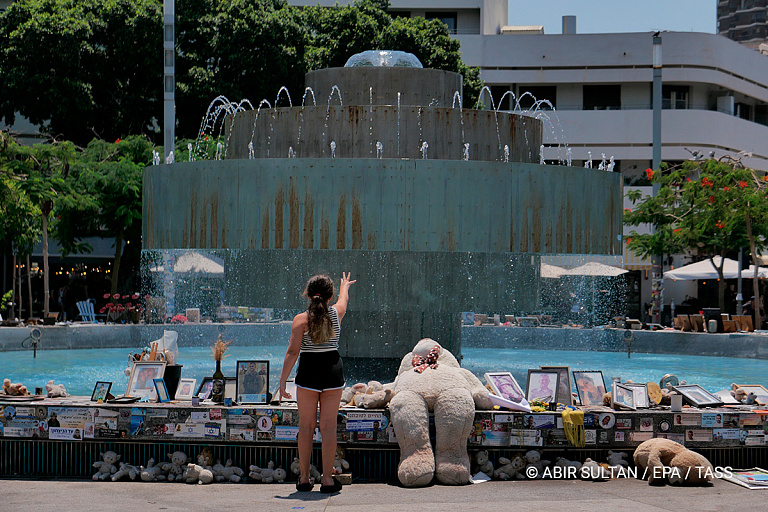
217	389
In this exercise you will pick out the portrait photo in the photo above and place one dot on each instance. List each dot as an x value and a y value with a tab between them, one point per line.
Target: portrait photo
504	385
101	391
590	387
141	382
542	385
186	389
252	382
564	387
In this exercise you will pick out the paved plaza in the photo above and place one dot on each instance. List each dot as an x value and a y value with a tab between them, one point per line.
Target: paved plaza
542	495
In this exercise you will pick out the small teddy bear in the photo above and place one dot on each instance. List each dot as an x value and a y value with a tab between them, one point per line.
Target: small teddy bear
126	470
106	467
593	471
205	458
568	468
56	390
314	474
482	464
509	469
14	389
152	473
194	474
533	459
738	393
268	475
339	463
175	468
227	473
617	459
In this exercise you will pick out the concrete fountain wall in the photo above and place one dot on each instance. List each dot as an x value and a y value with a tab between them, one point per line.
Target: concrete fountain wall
426	238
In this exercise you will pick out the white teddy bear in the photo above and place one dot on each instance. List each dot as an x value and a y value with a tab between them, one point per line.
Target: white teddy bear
175	468
509	469
268	475
314	474
482	463
533	459
126	470
106	467
152	473
55	390
227	473
194	474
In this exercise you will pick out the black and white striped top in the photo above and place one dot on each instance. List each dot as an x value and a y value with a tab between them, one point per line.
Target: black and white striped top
331	344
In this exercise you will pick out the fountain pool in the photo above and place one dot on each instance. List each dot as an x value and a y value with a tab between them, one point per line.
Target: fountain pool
79	369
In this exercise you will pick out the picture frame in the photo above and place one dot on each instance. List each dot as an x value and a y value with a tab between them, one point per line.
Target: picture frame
564	384
698	396
757	389
141	381
162	390
252	382
640	392
623	396
186	389
590	386
504	385
204	391
101	391
541	384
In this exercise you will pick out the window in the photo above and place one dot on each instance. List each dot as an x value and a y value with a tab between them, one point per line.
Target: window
449	18
602	97
537	93
674	97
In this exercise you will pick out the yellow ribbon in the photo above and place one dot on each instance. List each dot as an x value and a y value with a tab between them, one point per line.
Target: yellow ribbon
573	423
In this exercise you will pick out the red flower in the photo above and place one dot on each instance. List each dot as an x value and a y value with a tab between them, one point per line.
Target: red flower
742	184
118	140
720	224
627	209
125	296
106	295
102	310
649	173
711	199
116	296
678	230
706	182
135	296
726	189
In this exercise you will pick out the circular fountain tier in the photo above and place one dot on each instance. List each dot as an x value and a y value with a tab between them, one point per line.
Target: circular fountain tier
384	112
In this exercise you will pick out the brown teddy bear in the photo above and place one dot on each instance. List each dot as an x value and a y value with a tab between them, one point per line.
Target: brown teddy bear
14	389
662	459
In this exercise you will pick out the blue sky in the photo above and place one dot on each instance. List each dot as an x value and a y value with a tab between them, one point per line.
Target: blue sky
595	16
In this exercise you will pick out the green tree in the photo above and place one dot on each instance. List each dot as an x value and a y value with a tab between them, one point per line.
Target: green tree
85	68
707	208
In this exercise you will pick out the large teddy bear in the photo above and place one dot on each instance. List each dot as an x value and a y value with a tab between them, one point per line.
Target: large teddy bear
683	465
431	380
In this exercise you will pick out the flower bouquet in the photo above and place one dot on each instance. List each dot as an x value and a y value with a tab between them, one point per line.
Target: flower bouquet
128	310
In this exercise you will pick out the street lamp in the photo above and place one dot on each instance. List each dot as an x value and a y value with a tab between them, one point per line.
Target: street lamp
657	268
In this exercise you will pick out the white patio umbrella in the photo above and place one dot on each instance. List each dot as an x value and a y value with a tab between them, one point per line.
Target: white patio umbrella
749	273
594	270
704	270
551	271
196	263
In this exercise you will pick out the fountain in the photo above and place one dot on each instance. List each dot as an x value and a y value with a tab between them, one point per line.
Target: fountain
433	207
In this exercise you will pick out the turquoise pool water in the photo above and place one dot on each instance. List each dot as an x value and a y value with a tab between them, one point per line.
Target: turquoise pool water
79	370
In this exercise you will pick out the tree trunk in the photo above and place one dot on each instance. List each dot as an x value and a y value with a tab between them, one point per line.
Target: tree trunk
13	286
755	281
46	208
29	285
18	281
721	283
116	266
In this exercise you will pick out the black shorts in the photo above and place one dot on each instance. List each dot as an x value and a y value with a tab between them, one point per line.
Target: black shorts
320	371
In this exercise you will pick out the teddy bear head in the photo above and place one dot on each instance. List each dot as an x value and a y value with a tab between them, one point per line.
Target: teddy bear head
617	458
481	457
532	456
178	458
110	457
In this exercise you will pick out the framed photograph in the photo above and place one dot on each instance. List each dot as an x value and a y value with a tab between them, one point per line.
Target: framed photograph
623	396
542	385
590	386
101	391
698	396
141	381
252	383
564	386
161	390
505	386
640	392
206	386
760	392
186	389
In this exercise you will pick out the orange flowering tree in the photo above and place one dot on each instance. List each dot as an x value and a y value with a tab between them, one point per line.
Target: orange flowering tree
707	208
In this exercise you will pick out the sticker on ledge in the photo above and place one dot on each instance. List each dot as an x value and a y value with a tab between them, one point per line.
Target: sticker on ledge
607	420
